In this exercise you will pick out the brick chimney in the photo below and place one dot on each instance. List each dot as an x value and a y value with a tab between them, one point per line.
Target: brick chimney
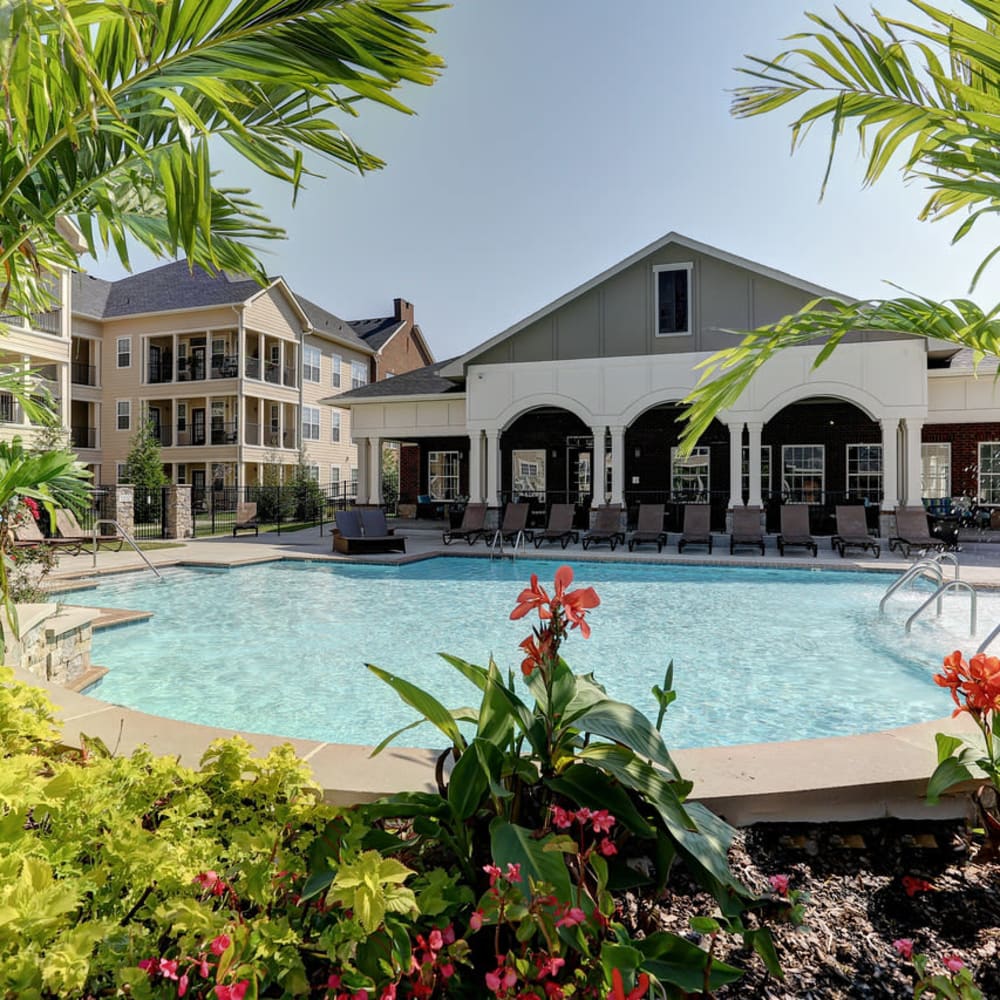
404	310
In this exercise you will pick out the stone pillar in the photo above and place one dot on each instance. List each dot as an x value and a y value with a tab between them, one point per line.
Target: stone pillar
475	466
754	430
362	493
119	505
912	493
617	466
178	521
736	465
492	467
599	480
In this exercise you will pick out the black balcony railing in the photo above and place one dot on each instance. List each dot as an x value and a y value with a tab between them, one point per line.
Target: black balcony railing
289	377
252	368
83	437
224	432
225	366
82	374
272	373
164	435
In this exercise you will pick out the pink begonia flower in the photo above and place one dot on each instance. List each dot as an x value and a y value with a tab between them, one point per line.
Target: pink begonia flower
904	946
149	965
182	985
779	883
333	981
493	872
583	814
571	917
562	818
513	873
447	970
203	968
551	966
360	995
168	968
476	920
236	992
602	821
607	847
448	934
220	944
389	993
953	963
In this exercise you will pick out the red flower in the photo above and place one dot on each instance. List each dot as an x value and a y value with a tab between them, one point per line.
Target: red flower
571	916
220	944
953	963
914	885
533	597
476	920
562	818
576	604
539	650
779	883
607	847
602	821
904	946
618	987
977	682
236	992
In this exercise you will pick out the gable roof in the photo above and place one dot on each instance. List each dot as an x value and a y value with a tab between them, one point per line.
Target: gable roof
376	333
425	381
90	295
325	323
456	368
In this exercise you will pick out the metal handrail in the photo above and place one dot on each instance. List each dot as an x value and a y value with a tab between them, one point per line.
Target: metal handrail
937	596
985	643
127	537
924	567
496	545
941	557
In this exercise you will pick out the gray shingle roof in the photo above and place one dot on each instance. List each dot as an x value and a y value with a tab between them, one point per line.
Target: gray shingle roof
421	382
376	332
324	321
964	361
90	295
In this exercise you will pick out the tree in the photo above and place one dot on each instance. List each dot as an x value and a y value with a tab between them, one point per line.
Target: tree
927	92
144	471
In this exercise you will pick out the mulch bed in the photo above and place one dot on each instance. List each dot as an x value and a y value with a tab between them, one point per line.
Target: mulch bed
858	905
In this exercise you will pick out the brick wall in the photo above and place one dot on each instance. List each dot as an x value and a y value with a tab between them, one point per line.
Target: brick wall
409	473
403	352
964	440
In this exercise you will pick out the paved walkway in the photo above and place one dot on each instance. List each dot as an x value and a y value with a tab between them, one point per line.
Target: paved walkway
843	778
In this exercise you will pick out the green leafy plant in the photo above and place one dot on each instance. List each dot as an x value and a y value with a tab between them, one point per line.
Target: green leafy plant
955	983
526	776
975	689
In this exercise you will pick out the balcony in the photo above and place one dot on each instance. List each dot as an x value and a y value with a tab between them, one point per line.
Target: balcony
224	432
83	437
164	435
270	437
46	322
225	366
82	374
10	410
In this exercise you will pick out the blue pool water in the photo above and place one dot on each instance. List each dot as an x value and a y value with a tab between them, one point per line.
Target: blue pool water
759	654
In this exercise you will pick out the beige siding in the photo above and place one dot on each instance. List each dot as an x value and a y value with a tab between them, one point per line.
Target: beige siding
272	313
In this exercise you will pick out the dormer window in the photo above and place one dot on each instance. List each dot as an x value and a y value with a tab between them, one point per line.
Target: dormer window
672	299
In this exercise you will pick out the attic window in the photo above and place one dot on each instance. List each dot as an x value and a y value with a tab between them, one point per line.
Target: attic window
672	299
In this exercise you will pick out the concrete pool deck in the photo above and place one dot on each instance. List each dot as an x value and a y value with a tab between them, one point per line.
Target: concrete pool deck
843	778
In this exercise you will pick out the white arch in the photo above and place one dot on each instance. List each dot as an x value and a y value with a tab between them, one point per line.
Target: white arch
871	405
522	405
635	409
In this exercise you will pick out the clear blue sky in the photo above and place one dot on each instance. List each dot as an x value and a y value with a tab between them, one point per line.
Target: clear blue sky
566	134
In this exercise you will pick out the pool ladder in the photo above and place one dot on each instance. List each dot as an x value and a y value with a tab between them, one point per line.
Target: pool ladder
128	538
932	567
497	548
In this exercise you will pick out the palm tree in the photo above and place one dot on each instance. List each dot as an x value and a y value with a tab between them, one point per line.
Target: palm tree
929	92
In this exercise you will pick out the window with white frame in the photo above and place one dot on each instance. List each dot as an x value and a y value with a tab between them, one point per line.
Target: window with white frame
182	416
989	471
335	477
672	299
336	361
690	474
935	470
312	471
310	423
182	471
765	470
310	363
864	471
803	473
442	474
359	374
528	471
334	425
124	347
123	408
354	478
120	472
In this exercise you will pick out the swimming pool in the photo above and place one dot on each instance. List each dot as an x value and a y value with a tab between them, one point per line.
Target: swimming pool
759	654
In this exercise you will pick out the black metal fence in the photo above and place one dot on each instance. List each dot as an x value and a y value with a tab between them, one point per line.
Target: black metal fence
148	511
297	504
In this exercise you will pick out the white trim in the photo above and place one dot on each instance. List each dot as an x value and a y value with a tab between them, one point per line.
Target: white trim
781	470
658	269
347	404
847	466
128	404
118	352
923	485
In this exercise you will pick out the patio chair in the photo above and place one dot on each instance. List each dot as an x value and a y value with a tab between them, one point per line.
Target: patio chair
697	526
746	529
795	528
246	518
69	528
649	527
473	525
607	528
27	535
912	532
560	527
359	532
852	531
514	524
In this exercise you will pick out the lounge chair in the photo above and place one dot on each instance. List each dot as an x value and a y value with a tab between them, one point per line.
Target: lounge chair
852	531
358	532
246	518
795	528
473	525
27	535
697	526
607	528
70	529
515	523
560	526
746	529
649	527
912	532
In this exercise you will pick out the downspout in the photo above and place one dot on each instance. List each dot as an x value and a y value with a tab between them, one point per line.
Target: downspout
241	348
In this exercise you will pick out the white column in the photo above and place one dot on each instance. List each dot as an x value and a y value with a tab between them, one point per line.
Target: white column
492	467
63	373
599	484
362	445
754	429
617	466
375	470
912	492
736	464
475	466
890	464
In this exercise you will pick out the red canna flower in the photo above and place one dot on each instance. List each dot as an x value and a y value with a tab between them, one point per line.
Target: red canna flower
539	649
535	596
577	603
974	685
618	987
